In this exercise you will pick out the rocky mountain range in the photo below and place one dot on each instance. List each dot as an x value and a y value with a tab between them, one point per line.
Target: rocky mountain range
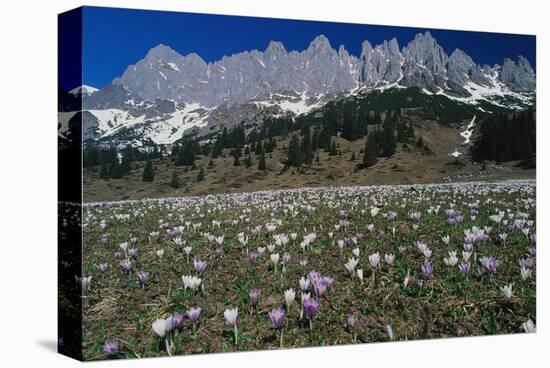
166	95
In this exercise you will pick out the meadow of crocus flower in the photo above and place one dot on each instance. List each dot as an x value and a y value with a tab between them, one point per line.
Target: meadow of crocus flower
308	267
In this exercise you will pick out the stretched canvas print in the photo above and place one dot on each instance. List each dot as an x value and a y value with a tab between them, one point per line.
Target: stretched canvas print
235	183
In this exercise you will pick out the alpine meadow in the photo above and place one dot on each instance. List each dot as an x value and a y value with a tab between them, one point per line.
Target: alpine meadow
317	184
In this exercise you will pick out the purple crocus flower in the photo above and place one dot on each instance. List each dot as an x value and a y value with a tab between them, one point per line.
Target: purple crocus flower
464	267
110	347
104	238
218	251
328	281
352	321
526	262
532	251
132	252
142	276
254	296
311	306
490	264
200	266
277	317
193	314
427	269
319	287
102	267
126	265
117	255
174	320
253	255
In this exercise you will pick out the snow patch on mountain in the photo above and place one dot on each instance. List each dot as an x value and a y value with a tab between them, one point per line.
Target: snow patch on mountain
467	135
83	90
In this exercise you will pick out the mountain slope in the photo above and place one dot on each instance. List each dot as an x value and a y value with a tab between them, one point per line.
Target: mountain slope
166	95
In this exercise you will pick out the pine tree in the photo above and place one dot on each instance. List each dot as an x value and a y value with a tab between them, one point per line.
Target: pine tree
104	172
262	164
236	156
175	183
200	175
248	161
353	158
259	148
307	151
389	144
420	142
116	170
294	152
186	155
371	151
333	151
148	172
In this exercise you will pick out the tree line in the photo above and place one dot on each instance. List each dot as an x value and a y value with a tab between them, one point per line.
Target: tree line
507	137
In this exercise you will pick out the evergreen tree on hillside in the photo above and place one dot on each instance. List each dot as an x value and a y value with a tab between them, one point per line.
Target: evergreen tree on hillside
148	172
236	156
91	155
174	182
420	142
117	170
315	140
294	152
104	172
261	163
371	151
333	149
186	155
200	175
307	151
259	148
389	142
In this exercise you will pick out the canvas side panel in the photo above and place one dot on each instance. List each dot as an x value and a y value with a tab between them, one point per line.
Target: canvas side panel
70	184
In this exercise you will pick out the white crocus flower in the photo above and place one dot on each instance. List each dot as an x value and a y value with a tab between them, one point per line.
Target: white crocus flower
374	260
506	290
231	316
389	331
304	283
351	264
452	260
529	326
290	295
160	326
525	273
360	274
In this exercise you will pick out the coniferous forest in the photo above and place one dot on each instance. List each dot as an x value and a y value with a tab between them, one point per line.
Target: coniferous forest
507	137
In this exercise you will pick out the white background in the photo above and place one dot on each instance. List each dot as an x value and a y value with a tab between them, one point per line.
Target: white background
28	181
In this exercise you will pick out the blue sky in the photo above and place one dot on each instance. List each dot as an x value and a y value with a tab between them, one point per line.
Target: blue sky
114	38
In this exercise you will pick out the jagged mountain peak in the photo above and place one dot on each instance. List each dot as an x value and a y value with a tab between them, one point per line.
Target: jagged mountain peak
295	81
275	49
320	42
162	52
518	75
